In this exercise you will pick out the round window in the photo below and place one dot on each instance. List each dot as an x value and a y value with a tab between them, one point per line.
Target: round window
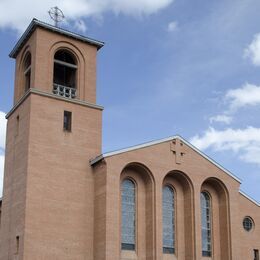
248	223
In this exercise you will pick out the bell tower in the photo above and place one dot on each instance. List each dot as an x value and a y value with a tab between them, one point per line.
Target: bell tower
53	130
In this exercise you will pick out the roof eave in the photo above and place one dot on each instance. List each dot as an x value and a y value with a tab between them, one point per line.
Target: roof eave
97	159
109	154
36	23
249	198
24	36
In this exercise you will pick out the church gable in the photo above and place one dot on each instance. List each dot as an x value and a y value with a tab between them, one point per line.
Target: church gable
165	155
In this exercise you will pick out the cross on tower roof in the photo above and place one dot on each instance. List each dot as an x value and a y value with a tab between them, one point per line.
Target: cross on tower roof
56	15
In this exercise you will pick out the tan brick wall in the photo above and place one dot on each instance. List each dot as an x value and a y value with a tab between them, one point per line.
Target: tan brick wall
43	44
249	240
100	218
19	86
15	182
60	185
189	178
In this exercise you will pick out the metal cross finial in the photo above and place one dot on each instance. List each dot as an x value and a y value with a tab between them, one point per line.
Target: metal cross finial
56	15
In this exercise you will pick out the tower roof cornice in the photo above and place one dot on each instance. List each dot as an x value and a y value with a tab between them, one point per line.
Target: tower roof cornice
36	24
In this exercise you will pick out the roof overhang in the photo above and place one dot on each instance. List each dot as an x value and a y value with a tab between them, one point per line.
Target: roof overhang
132	148
249	198
36	23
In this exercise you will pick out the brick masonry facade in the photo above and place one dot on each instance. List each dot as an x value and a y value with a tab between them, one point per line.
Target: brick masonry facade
58	204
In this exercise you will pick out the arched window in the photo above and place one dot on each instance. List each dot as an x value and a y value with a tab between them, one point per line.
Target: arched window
168	220
64	74
128	208
206	224
27	71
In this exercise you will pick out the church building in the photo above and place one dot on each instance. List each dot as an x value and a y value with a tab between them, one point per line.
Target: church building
65	200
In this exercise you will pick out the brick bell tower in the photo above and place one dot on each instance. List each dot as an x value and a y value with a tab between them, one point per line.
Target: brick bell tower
54	129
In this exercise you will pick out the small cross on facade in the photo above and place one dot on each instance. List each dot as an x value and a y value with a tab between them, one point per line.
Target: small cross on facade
177	149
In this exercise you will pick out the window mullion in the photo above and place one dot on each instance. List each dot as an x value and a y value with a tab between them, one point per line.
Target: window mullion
66	64
27	70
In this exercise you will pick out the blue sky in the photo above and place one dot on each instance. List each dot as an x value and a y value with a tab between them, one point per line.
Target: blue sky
168	67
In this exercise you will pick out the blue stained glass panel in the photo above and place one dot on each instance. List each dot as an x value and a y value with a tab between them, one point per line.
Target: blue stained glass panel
128	215
205	224
168	220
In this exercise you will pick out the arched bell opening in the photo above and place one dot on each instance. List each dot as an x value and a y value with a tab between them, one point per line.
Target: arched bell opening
65	74
27	71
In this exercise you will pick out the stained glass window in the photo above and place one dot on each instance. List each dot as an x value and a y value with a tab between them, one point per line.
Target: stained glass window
128	215
168	221
206	224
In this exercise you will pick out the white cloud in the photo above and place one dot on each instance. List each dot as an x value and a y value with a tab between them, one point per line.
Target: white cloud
2	160
253	50
17	14
3	122
247	95
80	26
245	141
172	26
221	119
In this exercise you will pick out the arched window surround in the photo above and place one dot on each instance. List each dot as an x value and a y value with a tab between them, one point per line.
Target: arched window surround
133	244
206	245
184	213
19	86
221	227
86	79
145	210
26	70
170	249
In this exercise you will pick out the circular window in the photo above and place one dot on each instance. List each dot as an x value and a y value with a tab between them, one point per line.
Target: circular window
248	223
